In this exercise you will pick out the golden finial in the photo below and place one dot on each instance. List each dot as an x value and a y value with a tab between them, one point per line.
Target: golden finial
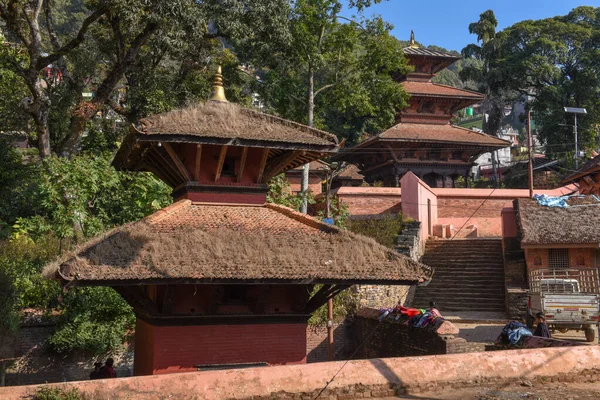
412	44
218	91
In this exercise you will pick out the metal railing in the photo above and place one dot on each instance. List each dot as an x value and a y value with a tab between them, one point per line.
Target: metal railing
564	280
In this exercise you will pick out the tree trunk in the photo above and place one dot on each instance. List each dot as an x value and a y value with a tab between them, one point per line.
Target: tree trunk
311	111
495	169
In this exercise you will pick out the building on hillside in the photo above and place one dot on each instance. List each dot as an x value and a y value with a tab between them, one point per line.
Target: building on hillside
349	176
546	174
317	174
423	141
504	157
587	178
220	277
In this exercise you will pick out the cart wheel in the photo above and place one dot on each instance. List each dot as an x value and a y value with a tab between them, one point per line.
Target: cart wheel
590	334
563	330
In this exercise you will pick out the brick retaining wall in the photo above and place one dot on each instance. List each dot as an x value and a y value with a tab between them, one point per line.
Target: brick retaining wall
356	379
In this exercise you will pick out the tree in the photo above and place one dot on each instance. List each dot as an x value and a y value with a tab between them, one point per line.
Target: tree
333	75
487	76
554	62
62	53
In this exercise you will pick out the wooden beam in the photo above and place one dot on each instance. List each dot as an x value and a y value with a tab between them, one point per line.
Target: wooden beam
160	170
325	293
242	163
198	159
394	156
182	169
220	162
263	162
279	163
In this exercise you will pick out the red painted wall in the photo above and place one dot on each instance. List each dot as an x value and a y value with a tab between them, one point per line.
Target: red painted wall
168	349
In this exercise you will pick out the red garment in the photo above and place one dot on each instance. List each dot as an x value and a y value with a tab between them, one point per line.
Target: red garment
107	372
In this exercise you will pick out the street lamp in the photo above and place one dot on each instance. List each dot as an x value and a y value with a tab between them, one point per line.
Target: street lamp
575	111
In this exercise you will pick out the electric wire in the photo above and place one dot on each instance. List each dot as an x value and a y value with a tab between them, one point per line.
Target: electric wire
347	361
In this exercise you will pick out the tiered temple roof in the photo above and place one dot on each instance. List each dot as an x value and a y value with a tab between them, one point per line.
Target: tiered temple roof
424	141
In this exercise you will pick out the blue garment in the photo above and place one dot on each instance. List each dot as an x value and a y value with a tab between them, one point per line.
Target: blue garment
515	335
514	331
551	201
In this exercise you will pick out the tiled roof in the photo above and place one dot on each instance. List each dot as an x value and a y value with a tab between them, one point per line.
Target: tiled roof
433	89
591	166
230	121
411	132
350	172
317	165
426	52
211	243
578	224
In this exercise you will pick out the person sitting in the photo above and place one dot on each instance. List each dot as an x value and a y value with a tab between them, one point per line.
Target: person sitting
107	371
95	374
433	309
542	329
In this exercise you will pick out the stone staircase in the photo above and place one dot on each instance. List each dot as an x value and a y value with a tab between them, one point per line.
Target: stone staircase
469	275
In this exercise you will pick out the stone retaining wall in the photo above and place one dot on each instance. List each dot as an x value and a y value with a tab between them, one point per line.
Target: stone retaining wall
391	338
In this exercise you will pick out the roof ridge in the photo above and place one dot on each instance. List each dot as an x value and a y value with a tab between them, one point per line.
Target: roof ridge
166	211
304	218
456	88
479	133
308	129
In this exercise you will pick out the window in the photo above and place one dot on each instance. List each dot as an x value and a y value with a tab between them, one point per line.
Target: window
228	166
559	258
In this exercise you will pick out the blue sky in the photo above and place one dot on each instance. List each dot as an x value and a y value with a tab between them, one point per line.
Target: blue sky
445	23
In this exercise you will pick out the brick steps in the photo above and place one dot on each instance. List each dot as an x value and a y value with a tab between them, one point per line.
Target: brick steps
469	275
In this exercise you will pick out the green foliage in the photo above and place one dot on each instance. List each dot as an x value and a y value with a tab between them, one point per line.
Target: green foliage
23	260
383	230
344	304
553	61
342	70
56	393
83	196
95	319
280	192
18	191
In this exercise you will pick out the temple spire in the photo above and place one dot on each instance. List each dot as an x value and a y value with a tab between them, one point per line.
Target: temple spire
412	44
218	91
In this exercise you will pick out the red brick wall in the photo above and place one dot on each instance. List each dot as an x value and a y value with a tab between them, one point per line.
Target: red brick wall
314	184
456	210
317	348
371	204
180	348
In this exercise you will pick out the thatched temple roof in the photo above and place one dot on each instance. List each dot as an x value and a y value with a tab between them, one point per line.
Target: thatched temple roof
541	225
202	243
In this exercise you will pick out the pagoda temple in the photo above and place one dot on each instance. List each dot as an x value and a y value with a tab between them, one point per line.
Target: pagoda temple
423	141
220	278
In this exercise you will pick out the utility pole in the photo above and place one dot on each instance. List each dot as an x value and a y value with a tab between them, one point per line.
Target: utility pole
575	111
332	171
304	188
529	150
576	146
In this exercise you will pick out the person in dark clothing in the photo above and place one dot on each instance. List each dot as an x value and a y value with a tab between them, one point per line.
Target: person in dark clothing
542	329
95	374
107	371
